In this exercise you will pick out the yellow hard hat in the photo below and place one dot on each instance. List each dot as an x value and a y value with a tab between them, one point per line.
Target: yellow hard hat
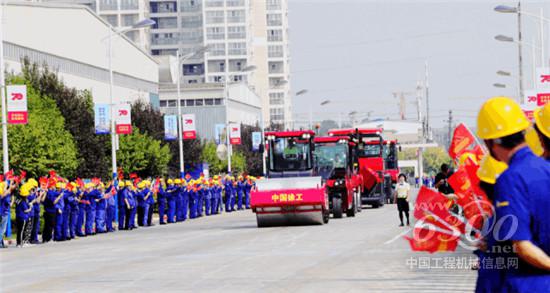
89	185
141	185
147	182
129	183
58	185
490	169
465	156
532	139
177	181
24	190
33	182
542	119
2	185
500	117
170	181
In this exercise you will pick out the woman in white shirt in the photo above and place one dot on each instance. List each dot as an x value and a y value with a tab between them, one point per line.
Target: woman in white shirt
402	191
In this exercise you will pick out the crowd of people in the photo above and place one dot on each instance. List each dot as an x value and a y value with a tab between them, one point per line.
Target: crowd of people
79	209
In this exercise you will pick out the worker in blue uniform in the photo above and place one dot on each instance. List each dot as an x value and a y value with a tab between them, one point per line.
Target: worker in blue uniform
38	197
521	195
150	201
68	198
228	190
101	209
185	199
74	212
122	205
240	192
161	200
247	187
59	209
207	196
140	201
82	203
146	194
193	198
171	194
91	196
133	205
111	207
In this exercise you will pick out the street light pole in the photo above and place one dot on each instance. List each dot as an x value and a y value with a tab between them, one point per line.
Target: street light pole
520	55
6	160
113	134
180	125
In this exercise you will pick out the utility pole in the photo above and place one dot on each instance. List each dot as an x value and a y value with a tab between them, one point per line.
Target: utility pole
520	54
426	88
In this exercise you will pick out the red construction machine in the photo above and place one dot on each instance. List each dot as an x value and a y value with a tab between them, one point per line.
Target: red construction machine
291	193
376	183
335	162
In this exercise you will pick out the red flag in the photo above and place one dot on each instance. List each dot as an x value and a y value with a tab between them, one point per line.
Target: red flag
479	151
43	182
1	178
9	175
430	240
80	182
52	174
465	190
133	175
433	207
156	185
23	174
462	139
51	182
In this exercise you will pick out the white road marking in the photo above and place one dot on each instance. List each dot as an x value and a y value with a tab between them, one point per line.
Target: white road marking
398	236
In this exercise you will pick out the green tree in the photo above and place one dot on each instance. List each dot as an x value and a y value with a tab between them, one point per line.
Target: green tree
140	153
252	160
44	143
433	158
77	109
209	156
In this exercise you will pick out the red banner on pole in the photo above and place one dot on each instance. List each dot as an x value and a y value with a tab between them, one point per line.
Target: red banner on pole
123	119
462	139
17	104
189	126
235	133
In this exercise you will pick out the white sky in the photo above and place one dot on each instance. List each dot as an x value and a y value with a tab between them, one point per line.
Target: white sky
357	53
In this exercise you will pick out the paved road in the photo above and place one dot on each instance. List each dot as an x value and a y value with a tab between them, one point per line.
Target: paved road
228	253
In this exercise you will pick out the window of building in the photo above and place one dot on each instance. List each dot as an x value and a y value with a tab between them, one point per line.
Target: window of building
190	103
163	104
237	78
235	16
209	102
191	36
190	5
111	19
108	5
129	19
275	51
192	81
273	4
275	35
213	3
172	103
236	32
163	7
217	78
276	67
276	114
129	4
215	33
192	21
214	16
274	19
199	102
233	3
216	49
237	48
166	22
218	101
276	98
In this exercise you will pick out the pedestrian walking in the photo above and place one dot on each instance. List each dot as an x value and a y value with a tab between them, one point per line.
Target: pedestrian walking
401	196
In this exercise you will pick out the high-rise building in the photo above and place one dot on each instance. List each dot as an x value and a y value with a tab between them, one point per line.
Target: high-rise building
120	14
238	33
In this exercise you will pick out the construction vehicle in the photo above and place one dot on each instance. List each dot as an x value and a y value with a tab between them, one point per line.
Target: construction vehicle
291	193
370	159
335	162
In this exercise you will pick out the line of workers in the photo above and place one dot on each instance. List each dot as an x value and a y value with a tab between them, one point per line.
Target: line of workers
77	209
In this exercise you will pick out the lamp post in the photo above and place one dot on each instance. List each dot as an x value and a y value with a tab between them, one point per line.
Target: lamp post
112	32
6	160
179	60
499	85
249	68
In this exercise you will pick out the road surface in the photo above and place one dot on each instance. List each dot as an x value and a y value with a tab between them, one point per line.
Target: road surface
228	253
